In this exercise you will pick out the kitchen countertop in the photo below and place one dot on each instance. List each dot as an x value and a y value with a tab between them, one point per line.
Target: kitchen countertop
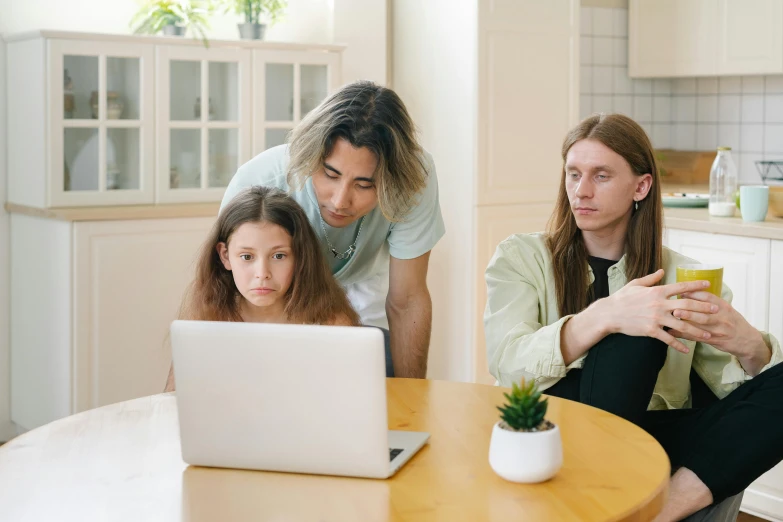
699	220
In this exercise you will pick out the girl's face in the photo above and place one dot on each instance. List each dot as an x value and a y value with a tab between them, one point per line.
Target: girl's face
260	258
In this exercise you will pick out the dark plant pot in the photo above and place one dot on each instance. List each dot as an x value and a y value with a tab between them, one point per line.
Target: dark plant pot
251	31
173	30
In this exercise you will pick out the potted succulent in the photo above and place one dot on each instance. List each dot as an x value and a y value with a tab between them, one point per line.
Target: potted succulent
253	11
525	447
173	18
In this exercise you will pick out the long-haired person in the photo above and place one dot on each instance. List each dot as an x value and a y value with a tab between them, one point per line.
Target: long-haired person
262	263
370	191
587	310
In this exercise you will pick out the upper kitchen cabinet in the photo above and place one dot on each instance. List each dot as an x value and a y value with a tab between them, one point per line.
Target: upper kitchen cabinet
203	121
294	83
104	120
670	38
80	119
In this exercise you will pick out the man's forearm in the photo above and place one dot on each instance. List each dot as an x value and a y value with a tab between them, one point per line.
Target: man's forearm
410	325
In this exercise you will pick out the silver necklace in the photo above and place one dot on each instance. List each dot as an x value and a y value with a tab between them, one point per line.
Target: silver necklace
351	249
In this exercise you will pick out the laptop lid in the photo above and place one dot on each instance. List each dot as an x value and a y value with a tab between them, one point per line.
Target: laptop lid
296	398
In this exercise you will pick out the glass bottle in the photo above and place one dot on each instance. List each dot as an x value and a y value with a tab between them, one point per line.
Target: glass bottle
723	184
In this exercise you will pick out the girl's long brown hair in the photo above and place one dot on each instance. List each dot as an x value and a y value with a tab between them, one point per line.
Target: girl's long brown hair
643	242
314	297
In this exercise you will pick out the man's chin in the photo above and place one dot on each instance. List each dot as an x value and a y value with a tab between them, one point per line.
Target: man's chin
337	223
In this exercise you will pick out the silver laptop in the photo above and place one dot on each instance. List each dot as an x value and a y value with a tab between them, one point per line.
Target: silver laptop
295	398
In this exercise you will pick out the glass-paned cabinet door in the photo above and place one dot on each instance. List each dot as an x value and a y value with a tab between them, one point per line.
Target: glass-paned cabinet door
289	84
101	123
203	121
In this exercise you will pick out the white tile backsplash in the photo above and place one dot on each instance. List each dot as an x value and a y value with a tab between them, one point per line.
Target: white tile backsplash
643	86
746	167
751	137
603	50
642	109
603	21
729	135
586	50
773	84
585	106
745	113
620	23
729	108
602	80
661	135
684	86
773	108
707	136
773	138
707	86
622	83
752	108
620	51
602	103
730	84
623	105
662	109
586	21
707	109
752	85
684	109
685	136
586	79
662	86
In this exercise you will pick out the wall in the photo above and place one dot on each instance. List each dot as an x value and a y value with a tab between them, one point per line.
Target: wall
364	26
434	66
744	113
305	20
6	428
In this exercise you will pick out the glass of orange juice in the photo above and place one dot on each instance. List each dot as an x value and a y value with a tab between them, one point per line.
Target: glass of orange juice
702	272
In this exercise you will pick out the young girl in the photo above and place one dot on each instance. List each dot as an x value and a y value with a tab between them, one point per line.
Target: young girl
263	263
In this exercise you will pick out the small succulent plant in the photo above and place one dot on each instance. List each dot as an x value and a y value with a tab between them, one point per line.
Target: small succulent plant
525	411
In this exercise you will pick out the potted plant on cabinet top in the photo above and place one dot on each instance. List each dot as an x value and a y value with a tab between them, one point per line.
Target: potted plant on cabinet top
173	18
525	447
254	11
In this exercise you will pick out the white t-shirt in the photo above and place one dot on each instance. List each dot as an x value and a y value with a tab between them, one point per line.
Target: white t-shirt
365	275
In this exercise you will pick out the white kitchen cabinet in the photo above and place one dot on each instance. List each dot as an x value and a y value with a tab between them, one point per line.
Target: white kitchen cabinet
670	38
203	121
750	38
496	223
91	302
752	270
746	267
104	120
764	497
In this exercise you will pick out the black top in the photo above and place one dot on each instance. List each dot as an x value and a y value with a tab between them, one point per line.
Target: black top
600	287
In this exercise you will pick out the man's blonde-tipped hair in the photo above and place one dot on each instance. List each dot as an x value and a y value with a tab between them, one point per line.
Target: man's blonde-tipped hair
371	116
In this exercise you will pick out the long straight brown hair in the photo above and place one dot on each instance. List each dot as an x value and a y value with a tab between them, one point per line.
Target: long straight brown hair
643	241
314	297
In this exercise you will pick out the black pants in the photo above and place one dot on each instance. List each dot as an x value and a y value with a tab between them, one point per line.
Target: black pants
727	443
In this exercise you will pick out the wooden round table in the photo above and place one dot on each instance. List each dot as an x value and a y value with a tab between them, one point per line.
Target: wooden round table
123	462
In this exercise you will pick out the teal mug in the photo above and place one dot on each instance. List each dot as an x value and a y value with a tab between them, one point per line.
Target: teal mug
754	202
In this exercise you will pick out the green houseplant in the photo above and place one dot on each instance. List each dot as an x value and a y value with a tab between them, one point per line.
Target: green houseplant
253	12
174	17
525	446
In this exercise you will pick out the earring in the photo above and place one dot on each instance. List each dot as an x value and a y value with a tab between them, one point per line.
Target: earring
636	205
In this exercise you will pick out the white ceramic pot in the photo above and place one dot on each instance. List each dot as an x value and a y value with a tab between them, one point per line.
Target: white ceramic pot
526	457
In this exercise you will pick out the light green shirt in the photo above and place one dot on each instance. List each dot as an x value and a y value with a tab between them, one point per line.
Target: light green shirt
522	326
416	235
